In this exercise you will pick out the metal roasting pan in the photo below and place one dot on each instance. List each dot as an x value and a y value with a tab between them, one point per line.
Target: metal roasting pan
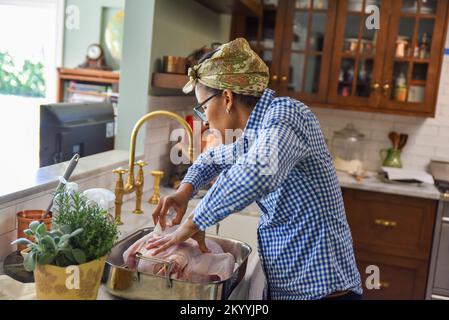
125	283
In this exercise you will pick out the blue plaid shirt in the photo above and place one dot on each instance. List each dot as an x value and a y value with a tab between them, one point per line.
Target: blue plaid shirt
281	161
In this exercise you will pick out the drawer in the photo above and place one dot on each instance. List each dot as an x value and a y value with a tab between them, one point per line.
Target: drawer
399	278
391	224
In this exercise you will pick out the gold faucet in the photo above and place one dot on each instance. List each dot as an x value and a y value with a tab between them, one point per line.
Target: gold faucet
139	186
119	194
131	184
154	199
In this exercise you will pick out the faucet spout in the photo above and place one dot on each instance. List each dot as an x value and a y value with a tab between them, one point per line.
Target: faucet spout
130	185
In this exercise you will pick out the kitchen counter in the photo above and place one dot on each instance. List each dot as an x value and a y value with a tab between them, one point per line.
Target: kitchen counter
374	184
21	183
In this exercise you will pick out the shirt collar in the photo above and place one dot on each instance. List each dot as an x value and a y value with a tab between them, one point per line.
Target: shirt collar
257	114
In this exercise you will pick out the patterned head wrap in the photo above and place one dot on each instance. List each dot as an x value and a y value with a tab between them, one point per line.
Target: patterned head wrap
235	66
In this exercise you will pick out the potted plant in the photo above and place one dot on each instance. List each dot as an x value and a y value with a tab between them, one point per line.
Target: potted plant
68	261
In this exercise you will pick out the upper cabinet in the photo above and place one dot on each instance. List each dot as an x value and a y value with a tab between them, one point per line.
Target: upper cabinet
251	7
367	55
358	53
304	70
264	33
414	55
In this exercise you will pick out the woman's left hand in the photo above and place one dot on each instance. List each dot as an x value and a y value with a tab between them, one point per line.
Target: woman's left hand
187	230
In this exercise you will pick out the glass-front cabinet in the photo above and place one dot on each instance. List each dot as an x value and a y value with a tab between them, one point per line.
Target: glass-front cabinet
367	55
264	34
307	39
359	48
412	62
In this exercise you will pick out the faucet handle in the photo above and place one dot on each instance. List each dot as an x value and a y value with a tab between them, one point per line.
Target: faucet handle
141	163
157	173
120	171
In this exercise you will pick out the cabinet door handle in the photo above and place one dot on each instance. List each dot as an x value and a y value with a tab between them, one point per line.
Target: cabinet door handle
384	285
376	86
386	88
284	78
385	223
274	78
445	220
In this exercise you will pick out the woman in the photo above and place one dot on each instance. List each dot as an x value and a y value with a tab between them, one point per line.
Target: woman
280	161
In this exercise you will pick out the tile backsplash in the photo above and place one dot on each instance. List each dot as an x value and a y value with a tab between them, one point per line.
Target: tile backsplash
428	137
158	130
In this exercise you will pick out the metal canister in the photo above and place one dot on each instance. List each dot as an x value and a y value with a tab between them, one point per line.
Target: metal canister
174	64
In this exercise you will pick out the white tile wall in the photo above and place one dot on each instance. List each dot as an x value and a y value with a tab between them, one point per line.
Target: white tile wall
157	144
429	138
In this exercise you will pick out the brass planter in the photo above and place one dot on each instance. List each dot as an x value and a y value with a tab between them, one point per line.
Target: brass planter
51	281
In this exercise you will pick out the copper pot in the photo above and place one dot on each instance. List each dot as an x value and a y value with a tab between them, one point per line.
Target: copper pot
25	217
176	65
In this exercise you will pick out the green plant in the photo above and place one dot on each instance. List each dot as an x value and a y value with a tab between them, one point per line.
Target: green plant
50	247
74	211
81	232
27	80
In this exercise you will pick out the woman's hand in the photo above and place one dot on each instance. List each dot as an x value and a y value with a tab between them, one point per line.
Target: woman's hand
177	201
187	230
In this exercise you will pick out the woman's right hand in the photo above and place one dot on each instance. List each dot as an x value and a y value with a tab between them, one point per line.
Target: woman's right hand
178	201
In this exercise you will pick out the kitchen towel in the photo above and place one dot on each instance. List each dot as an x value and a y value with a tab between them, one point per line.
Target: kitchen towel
11	289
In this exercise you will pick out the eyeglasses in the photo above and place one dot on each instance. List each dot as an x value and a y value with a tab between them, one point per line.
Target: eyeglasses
199	109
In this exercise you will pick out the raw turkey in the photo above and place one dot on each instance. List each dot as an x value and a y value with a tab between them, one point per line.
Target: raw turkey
189	263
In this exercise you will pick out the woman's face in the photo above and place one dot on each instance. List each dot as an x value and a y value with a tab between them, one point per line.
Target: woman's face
215	109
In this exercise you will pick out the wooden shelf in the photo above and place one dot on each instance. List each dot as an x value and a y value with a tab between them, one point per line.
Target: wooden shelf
252	7
85	75
90	75
169	80
411	59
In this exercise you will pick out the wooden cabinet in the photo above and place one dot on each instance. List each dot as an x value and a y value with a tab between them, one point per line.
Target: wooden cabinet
367	55
265	34
400	279
358	55
424	25
394	233
305	64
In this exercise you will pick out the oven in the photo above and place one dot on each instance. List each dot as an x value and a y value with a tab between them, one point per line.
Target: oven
438	280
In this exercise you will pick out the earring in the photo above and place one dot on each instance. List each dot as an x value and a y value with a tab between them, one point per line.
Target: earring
228	111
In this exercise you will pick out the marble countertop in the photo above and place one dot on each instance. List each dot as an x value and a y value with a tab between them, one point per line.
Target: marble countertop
46	178
374	184
16	186
371	183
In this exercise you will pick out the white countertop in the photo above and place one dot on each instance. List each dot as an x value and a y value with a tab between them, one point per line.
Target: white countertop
374	184
18	184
